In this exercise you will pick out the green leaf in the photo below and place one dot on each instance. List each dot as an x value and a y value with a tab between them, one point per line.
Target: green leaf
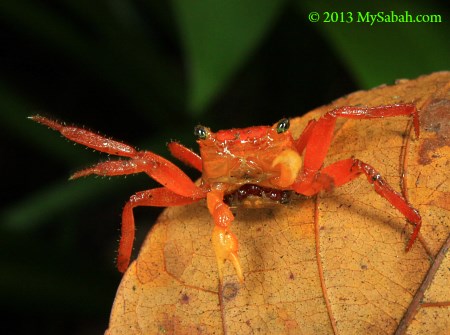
117	50
218	37
38	208
383	52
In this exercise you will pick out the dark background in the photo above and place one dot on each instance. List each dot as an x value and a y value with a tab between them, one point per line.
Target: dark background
146	72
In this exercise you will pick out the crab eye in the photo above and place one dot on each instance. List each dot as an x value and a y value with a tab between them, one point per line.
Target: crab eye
201	132
282	126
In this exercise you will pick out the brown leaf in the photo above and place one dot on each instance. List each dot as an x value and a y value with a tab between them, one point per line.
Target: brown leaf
329	264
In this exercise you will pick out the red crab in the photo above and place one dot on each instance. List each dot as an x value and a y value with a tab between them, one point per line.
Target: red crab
264	163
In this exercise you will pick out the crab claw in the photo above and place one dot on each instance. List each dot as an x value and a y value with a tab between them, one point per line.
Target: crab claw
290	164
225	245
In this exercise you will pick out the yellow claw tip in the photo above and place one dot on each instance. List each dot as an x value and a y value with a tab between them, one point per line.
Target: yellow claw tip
225	247
237	266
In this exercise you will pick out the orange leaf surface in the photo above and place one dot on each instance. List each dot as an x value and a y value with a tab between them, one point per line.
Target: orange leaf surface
331	264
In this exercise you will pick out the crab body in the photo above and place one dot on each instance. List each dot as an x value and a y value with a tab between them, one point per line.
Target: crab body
253	166
257	155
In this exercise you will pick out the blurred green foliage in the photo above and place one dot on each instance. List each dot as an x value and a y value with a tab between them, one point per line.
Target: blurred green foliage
146	72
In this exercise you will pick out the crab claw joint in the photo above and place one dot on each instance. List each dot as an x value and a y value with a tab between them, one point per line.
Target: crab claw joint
225	245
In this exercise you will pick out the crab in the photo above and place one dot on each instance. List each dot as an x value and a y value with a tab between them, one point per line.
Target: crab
240	165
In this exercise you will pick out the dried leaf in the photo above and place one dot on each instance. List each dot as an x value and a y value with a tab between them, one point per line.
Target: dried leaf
334	263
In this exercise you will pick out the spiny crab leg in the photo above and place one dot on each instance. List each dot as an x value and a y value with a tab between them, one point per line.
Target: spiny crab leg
316	140
160	169
346	170
179	188
318	134
88	138
157	197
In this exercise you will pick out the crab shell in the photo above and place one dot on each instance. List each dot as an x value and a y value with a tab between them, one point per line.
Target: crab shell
262	155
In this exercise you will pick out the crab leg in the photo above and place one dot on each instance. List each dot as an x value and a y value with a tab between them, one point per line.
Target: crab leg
88	138
157	197
160	169
185	155
301	142
346	170
318	140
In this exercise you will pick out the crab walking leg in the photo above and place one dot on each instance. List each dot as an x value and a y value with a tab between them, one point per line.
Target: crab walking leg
185	155
158	168
88	138
225	243
319	139
301	142
346	170
157	197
